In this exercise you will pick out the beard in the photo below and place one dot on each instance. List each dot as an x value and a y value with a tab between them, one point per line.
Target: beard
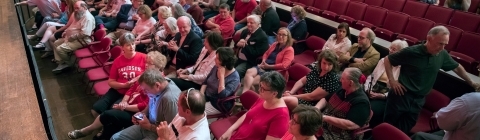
79	15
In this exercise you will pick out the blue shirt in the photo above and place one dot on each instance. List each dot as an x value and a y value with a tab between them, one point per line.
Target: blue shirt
185	7
153	104
63	18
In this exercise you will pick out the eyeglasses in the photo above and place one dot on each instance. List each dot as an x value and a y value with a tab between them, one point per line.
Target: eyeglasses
186	99
263	89
282	35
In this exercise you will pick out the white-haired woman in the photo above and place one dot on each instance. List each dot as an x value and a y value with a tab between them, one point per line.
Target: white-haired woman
377	87
156	36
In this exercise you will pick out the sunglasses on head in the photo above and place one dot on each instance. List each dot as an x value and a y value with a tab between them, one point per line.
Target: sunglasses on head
186	99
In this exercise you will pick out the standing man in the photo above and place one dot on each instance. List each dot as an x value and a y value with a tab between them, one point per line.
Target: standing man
270	20
420	64
76	33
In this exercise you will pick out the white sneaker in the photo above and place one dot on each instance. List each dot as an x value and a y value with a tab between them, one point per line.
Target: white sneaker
39	45
60	68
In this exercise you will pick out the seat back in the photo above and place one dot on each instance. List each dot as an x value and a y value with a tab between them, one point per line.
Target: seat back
338	6
374	2
468	45
322	4
415	8
297	72
386	131
356	10
473	8
465	21
283	24
101	58
394	5
315	43
455	35
418	27
248	98
439	14
236	37
375	15
396	21
435	101
104	45
107	68
306	2
358	0
99	34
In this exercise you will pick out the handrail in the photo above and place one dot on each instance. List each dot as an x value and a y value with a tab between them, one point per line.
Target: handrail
37	82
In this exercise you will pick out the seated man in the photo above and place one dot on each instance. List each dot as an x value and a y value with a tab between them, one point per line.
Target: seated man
49	10
253	43
270	20
211	7
124	19
162	106
190	122
346	110
222	23
77	33
241	10
362	55
459	120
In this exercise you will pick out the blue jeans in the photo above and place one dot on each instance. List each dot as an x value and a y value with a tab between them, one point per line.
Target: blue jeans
240	26
134	132
109	22
271	39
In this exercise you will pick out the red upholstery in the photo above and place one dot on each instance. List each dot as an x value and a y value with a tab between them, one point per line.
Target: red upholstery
103	45
283	24
395	22
415	8
465	21
248	98
394	5
374	17
220	103
433	102
116	52
308	56
468	45
98	59
374	2
473	8
304	3
285	2
466	61
417	28
100	73
358	0
101	88
386	131
455	34
296	72
439	14
337	7
355	11
318	6
99	35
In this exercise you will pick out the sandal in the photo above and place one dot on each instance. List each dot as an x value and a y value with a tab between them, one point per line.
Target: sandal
75	134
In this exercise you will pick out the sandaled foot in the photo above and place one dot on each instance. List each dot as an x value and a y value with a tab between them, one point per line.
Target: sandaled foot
75	134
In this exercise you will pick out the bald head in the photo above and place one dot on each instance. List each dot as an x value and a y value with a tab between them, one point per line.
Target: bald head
195	102
265	4
184	25
80	8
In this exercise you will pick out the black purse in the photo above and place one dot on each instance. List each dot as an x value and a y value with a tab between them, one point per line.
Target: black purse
380	87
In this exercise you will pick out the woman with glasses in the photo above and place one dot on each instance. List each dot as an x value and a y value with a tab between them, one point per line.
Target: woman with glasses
278	57
221	82
268	117
135	100
158	36
305	121
298	26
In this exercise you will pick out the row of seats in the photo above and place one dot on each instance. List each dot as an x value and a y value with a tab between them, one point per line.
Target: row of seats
391	24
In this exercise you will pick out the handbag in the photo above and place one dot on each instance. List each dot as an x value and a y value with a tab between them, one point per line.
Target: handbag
380	87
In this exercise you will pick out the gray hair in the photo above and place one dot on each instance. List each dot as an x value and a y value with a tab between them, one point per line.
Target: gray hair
172	24
370	34
274	81
126	38
178	11
151	76
400	43
438	30
164	11
354	75
255	18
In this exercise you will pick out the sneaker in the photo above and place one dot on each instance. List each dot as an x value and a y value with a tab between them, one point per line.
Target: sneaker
47	54
32	37
60	68
39	45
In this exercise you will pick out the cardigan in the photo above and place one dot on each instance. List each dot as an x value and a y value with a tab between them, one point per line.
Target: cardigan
284	58
204	66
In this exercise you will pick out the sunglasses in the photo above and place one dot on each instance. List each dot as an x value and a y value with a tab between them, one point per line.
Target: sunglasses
186	99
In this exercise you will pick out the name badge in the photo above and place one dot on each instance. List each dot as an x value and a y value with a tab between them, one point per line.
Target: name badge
253	43
186	46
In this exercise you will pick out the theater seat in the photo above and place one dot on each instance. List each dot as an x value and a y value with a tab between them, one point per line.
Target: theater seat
101	88
303	3
296	72
386	131
465	21
455	35
337	7
416	30
355	11
395	23
374	2
439	14
415	8
469	63
433	102
394	5
374	17
318	7
308	56
468	45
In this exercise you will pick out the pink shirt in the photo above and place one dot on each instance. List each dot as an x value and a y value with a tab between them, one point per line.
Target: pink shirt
123	69
287	136
260	122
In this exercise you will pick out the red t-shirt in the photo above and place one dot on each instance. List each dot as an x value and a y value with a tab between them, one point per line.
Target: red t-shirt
123	69
137	96
243	9
227	25
261	122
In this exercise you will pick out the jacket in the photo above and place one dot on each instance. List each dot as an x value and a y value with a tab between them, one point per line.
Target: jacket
372	56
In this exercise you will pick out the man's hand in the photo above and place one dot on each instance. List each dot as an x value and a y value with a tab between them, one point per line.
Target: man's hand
163	131
145	123
135	17
172	45
55	15
359	60
241	43
398	88
434	115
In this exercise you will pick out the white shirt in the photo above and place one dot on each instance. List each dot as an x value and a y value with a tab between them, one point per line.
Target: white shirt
197	131
143	26
461	118
85	25
340	47
378	71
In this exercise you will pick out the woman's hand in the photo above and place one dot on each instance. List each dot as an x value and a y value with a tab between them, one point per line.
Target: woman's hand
123	105
287	93
221	72
374	95
116	106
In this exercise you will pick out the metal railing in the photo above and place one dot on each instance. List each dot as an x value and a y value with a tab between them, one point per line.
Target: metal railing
24	15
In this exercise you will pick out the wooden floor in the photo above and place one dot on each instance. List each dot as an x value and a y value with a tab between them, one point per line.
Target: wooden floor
20	117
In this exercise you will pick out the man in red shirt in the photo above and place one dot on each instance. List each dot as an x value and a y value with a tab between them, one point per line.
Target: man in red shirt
222	23
241	10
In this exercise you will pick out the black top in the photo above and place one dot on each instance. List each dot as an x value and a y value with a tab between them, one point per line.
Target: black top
270	22
298	30
256	45
189	51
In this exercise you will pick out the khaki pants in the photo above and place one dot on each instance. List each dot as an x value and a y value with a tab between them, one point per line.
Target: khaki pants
63	47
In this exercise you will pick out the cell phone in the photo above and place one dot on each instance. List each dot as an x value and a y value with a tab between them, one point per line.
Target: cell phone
138	116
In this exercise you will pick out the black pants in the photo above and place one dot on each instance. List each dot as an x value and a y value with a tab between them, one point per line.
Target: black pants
428	136
38	19
378	109
184	84
242	66
105	103
402	111
115	120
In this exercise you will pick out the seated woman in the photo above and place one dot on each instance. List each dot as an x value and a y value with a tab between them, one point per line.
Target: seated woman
193	77
461	5
135	100
268	117
221	82
111	9
346	110
122	74
321	81
278	57
376	84
304	123
158	37
339	42
298	26
178	11
143	24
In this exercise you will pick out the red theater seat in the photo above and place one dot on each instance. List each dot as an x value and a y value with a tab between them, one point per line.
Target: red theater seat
433	102
337	7
395	23
468	46
417	28
374	17
304	3
465	21
374	2
394	5
455	34
439	14
295	73
355	11
415	8
318	6
386	131
308	56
